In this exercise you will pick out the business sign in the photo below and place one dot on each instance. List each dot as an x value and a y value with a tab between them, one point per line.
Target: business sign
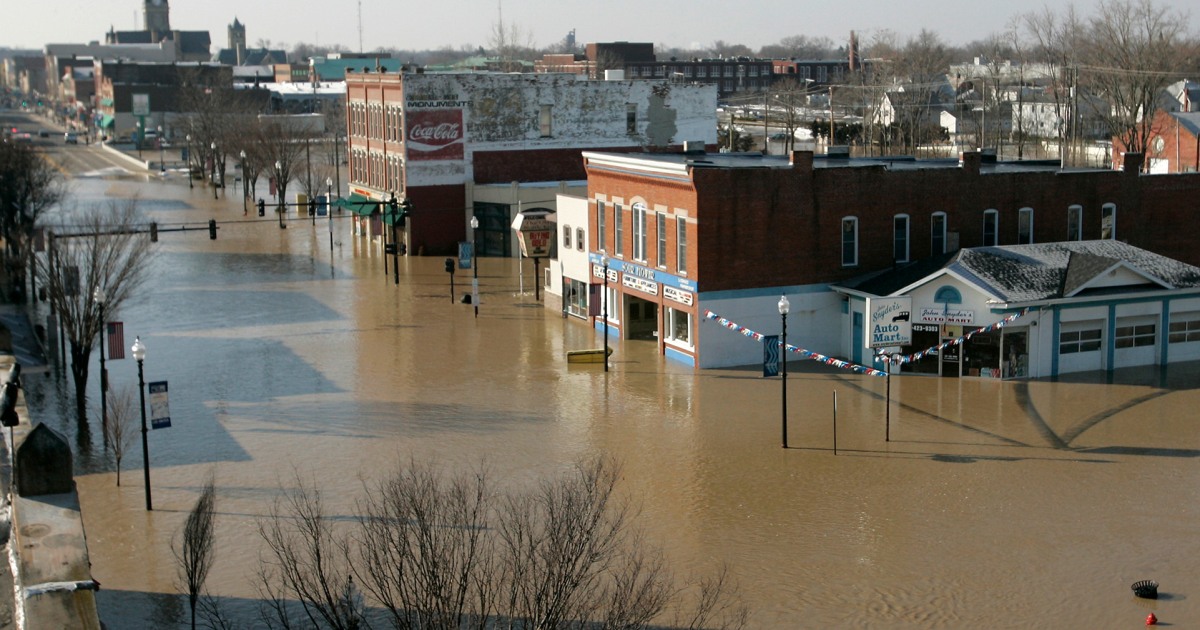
890	321
435	134
141	105
942	315
534	233
683	297
160	405
634	282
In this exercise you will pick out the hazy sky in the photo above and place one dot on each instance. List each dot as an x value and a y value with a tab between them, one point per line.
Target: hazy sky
408	24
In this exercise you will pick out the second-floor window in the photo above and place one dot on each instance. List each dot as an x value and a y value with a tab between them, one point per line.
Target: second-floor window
661	259
1025	226
680	245
849	241
991	218
1075	223
618	230
639	231
1108	221
600	221
937	233
900	238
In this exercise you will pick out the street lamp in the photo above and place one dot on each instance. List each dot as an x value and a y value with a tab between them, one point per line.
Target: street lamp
604	303
279	191
245	180
162	164
475	266
139	139
139	354
329	209
784	307
395	208
213	177
189	160
99	296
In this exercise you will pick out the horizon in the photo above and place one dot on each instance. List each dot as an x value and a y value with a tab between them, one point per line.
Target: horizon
692	26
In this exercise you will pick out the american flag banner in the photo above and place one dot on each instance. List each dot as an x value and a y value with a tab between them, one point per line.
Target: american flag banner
116	340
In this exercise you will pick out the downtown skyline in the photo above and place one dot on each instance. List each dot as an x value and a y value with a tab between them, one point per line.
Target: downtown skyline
470	23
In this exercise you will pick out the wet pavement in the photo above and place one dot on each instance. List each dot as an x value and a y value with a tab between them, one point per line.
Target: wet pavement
968	503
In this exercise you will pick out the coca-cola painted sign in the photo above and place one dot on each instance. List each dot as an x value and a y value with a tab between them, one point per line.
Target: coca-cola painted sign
435	134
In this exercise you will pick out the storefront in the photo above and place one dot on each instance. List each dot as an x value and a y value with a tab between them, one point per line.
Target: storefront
650	305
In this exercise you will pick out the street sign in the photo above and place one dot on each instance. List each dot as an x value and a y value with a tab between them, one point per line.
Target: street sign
160	405
770	355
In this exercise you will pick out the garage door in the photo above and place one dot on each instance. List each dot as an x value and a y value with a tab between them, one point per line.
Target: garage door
1136	341
1080	346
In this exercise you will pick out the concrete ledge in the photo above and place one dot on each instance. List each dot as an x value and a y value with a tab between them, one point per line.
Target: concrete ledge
144	165
53	569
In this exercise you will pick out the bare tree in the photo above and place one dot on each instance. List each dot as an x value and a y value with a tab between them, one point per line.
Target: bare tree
100	248
119	430
29	185
1134	49
279	151
1055	39
193	548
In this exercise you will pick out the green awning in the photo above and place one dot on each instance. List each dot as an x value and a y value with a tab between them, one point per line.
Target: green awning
358	204
105	121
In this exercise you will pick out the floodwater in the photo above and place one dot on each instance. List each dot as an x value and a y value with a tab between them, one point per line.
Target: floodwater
973	504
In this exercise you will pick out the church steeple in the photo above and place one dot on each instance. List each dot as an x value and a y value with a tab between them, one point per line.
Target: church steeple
157	16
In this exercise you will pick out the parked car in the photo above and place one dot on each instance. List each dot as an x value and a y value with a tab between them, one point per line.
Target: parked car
42	133
70	138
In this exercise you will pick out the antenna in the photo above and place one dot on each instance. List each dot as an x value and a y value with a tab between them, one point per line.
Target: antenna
360	26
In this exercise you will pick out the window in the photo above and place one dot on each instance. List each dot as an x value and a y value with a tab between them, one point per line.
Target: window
1079	341
900	238
1025	226
1108	221
679	326
600	221
990	220
680	245
1184	331
544	119
567	237
937	233
639	231
618	230
1075	223
1135	336
661	260
849	242
630	118
579	239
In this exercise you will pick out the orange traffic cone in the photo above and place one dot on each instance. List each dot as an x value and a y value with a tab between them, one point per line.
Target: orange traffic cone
1151	619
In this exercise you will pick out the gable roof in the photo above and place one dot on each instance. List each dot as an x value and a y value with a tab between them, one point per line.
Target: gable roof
1044	271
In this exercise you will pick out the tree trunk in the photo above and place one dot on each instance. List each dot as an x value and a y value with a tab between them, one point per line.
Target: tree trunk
80	355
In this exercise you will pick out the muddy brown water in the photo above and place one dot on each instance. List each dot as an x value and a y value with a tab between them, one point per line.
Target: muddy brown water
993	504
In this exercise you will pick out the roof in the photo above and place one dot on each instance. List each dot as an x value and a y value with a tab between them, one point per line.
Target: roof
1189	121
1044	271
679	162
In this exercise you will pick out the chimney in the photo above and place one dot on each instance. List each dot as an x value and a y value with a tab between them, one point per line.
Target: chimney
969	162
1133	163
801	160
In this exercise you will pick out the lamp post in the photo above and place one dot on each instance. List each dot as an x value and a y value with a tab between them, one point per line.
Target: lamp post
279	191
245	180
139	354
214	169
784	307
99	296
139	139
162	161
395	206
189	160
329	208
475	267
604	304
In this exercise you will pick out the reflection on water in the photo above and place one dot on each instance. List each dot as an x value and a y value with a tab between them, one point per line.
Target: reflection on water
1030	504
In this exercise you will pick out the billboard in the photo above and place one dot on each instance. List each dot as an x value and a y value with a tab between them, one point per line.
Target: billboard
434	134
890	322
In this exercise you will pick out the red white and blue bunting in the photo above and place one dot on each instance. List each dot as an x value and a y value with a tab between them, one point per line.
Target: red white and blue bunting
807	354
862	369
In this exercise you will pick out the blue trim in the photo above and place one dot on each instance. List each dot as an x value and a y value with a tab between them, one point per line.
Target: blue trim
764	292
613	329
1110	345
1165	325
642	271
1056	330
1145	300
682	357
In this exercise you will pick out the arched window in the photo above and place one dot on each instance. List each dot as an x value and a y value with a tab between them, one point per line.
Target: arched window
1108	221
1025	226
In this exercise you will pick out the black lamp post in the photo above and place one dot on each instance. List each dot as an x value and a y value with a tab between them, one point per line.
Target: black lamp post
140	133
214	169
475	266
139	354
604	303
245	180
98	295
784	307
395	208
162	160
329	208
189	160
279	189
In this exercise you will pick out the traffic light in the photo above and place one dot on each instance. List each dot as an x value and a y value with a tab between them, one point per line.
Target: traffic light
262	208
312	207
450	266
153	232
8	397
405	210
212	229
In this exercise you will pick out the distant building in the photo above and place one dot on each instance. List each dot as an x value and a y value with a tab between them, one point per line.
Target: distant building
459	145
187	45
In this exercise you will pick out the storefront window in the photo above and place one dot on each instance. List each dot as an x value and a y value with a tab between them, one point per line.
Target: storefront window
679	326
576	297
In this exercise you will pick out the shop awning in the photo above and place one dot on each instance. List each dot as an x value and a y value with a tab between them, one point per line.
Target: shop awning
104	121
358	204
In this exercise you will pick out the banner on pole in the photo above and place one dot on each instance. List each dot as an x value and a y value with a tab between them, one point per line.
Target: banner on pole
160	405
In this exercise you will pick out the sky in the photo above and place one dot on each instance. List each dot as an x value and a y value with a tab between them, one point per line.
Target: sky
411	25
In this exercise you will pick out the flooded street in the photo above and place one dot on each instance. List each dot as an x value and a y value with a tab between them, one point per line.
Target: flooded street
993	504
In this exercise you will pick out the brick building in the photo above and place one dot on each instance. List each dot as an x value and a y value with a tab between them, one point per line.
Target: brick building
458	145
688	232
